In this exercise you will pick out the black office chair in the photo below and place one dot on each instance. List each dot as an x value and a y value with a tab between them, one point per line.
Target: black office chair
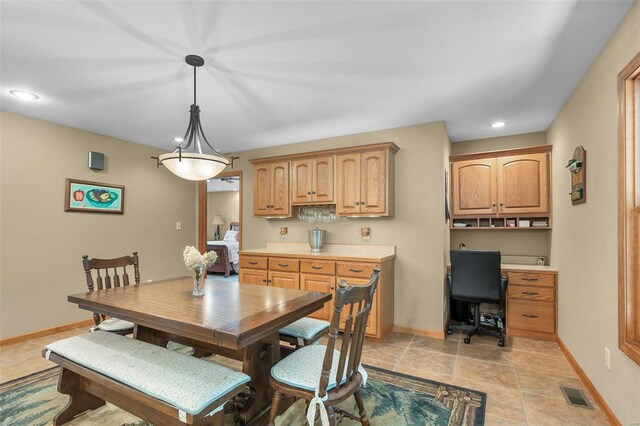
476	278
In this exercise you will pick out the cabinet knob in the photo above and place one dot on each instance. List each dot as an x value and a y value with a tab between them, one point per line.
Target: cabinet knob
362	203
308	193
357	203
313	192
332	288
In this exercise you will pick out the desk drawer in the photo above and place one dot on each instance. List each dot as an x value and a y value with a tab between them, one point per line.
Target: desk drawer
253	262
355	270
526	292
284	264
535	316
531	278
325	267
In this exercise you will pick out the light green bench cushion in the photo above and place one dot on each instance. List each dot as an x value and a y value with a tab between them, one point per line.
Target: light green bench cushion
305	328
303	367
187	383
115	324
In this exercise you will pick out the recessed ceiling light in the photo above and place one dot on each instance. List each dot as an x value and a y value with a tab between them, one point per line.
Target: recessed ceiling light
178	140
498	124
23	94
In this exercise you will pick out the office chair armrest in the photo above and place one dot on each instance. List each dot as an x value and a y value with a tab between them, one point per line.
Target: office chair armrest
504	280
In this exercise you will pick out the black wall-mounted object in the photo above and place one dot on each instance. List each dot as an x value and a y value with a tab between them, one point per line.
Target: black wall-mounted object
96	160
578	168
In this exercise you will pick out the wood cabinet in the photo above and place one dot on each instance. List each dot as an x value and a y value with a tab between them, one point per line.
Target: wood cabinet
511	184
474	187
358	180
531	304
323	274
364	184
523	184
271	189
312	181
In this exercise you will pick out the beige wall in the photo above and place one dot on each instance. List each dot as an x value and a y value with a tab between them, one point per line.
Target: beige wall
42	246
584	238
514	243
227	205
496	144
418	229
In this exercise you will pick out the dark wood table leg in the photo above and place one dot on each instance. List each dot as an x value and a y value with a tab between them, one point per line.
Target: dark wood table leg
257	362
150	335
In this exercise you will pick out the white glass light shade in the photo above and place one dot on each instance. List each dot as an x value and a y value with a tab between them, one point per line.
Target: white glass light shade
193	166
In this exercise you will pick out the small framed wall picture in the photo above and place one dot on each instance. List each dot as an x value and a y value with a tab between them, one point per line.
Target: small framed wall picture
93	197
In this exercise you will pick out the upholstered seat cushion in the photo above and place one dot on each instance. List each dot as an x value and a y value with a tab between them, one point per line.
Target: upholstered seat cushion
303	367
305	328
187	383
115	324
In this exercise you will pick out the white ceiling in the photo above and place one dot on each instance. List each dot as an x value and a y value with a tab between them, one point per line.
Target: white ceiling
284	72
222	185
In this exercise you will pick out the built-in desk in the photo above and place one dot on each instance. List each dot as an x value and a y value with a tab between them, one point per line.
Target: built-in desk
531	301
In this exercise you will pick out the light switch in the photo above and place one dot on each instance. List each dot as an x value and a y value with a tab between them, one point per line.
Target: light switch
178	226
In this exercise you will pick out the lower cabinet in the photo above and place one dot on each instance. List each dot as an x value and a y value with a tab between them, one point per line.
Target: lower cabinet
323	274
531	305
324	284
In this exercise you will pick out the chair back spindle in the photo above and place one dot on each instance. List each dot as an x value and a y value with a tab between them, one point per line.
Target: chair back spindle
356	301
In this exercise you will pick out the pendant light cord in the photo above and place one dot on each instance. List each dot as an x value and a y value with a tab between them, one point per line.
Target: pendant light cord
194	86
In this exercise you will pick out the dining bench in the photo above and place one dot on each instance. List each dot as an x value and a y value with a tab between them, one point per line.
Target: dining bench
158	385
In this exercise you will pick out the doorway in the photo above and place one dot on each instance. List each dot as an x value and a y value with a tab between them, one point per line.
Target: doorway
220	222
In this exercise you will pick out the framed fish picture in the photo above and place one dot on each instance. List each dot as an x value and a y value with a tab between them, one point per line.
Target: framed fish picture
93	197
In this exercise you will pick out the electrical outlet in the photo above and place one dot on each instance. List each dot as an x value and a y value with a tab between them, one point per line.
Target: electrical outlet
149	281
178	226
607	358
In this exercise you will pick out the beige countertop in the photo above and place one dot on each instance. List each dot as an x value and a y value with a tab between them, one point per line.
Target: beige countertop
513	267
329	251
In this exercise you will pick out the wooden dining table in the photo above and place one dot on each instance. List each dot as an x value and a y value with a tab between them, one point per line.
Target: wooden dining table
239	321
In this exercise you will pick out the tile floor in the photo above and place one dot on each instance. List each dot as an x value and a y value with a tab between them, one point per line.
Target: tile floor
521	380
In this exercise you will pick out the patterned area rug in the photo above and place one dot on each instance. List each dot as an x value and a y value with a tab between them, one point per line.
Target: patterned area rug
390	399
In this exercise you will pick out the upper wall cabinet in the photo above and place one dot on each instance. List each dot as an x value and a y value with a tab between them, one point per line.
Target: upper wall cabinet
505	184
312	181
271	189
364	186
358	180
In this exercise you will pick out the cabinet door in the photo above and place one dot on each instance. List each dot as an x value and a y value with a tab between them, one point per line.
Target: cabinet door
324	284
261	189
284	279
348	181
474	185
373	182
252	276
371	321
322	176
280	189
301	181
523	184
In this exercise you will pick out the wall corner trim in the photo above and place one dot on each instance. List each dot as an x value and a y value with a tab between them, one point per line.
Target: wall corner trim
587	383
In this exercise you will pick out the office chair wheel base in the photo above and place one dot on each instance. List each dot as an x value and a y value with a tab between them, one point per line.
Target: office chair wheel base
449	331
501	343
467	340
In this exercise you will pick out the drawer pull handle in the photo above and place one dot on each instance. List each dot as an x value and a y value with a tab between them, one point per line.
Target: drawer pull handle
284	265
332	288
529	279
317	267
356	270
530	293
253	263
530	316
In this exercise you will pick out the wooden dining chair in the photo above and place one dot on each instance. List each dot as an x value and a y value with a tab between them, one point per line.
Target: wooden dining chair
111	273
322	374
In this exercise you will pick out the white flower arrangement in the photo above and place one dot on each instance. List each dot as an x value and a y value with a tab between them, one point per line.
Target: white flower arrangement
195	261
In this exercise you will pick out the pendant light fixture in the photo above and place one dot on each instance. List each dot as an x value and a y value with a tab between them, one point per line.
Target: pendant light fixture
194	164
